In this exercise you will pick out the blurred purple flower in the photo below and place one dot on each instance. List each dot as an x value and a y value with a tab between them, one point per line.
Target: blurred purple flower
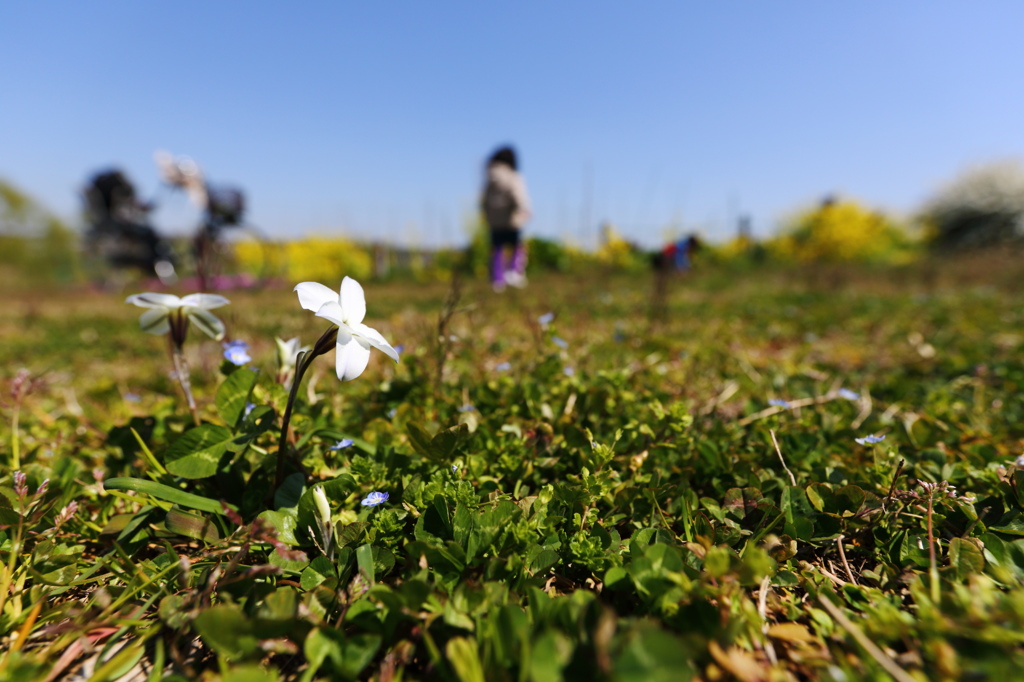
237	352
342	444
503	367
546	319
848	394
374	498
869	440
775	402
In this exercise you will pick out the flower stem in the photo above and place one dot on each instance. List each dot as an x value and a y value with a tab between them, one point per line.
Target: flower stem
15	439
326	341
282	444
181	371
933	569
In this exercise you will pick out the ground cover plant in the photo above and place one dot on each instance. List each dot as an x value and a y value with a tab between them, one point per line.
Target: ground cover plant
758	474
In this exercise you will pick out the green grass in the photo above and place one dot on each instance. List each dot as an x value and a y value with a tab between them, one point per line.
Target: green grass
628	507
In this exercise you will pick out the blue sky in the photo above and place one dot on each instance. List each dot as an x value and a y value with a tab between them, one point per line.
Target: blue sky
373	119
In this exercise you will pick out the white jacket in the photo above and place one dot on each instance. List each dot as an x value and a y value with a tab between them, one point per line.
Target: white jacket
505	202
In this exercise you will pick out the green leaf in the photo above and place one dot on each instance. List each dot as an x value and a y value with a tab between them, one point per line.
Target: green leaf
420	439
543	561
197	453
191	525
233	395
447	441
965	557
440	447
8	517
164	492
348	656
227	631
251	672
550	653
820	495
463	655
290	492
284	522
364	559
319	570
652	655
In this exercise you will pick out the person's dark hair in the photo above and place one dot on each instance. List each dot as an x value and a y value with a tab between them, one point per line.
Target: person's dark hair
505	155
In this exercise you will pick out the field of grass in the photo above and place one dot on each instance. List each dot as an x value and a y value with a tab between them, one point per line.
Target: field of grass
585	481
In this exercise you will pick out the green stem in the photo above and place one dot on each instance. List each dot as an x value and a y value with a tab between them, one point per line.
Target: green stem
933	568
326	341
282	443
181	371
15	440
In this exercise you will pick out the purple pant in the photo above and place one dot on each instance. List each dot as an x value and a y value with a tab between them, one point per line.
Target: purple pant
502	241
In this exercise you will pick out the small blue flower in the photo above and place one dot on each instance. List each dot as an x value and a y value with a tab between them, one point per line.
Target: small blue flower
455	468
400	348
374	498
848	394
546	319
237	352
249	407
392	412
568	371
342	444
132	397
560	342
775	402
869	440
503	367
467	408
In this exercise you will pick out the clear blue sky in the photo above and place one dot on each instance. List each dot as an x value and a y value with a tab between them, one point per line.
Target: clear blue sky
375	118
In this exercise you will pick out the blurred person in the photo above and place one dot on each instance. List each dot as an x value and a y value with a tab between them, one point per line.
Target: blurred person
677	256
506	208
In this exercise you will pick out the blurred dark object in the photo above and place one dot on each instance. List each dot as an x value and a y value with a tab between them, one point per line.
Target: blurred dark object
982	208
118	227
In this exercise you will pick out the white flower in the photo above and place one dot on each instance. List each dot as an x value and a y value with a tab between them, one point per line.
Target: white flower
288	352
167	312
323	507
346	309
323	512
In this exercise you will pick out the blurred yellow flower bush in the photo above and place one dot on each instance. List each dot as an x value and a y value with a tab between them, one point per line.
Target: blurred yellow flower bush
842	231
618	252
310	259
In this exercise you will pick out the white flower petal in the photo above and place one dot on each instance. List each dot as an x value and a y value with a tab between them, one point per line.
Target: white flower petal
312	295
332	312
154	300
353	301
352	358
155	321
344	335
375	339
204	301
207	323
